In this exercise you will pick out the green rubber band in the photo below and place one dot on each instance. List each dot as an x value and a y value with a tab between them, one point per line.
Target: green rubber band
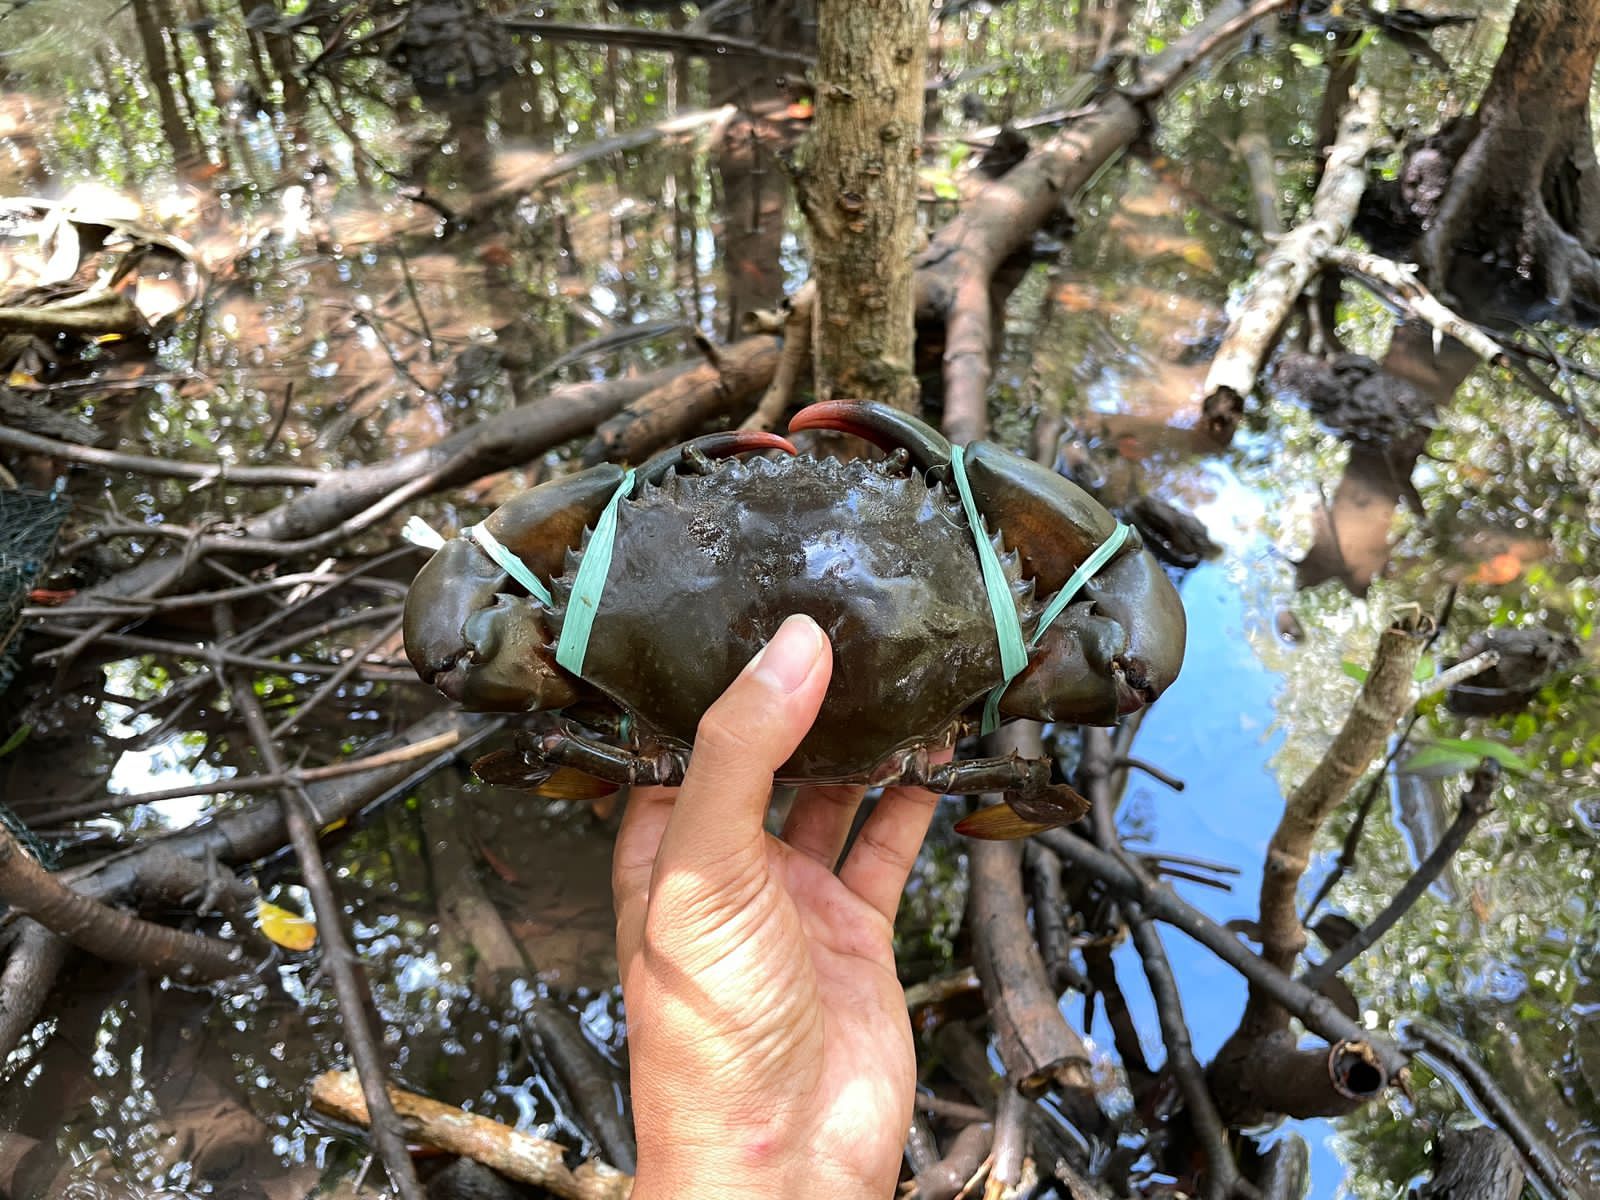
1078	578
510	564
1007	626
584	603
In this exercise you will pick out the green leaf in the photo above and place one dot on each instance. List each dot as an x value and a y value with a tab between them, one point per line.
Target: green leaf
1502	754
15	740
1438	761
1451	756
1306	55
1424	669
1354	669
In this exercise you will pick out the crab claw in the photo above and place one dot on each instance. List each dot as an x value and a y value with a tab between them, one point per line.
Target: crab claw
468	629
1109	654
885	427
713	445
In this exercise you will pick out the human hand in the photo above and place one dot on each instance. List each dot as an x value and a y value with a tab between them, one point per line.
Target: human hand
770	1048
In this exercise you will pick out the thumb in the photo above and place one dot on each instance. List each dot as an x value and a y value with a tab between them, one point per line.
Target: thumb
745	736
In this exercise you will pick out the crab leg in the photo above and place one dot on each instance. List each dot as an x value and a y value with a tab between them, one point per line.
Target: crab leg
1032	803
547	764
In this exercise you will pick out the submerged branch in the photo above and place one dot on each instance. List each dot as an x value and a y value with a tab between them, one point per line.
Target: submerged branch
1476	803
1461	1068
339	959
106	932
168	468
1317	1012
955	275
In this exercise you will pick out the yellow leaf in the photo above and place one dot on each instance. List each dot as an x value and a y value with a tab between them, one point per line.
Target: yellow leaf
21	379
288	929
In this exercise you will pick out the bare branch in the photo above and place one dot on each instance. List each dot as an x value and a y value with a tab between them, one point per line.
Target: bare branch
107	932
1272	291
1476	803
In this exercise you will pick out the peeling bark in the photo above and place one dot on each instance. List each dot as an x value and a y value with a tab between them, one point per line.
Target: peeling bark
859	194
514	1154
1271	294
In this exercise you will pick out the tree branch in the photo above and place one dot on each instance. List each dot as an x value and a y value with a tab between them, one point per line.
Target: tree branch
1272	291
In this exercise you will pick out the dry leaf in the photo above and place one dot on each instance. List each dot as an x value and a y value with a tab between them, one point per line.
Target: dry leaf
287	929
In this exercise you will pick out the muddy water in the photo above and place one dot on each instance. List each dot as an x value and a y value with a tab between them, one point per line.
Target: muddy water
388	260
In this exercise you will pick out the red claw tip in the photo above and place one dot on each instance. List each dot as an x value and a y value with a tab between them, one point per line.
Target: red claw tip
843	416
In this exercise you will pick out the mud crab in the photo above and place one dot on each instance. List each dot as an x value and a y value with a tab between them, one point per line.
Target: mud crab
710	552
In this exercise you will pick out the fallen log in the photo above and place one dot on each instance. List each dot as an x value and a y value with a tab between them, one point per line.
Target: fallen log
514	1154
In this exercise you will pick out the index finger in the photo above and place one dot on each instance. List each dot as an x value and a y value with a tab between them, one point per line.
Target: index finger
633	859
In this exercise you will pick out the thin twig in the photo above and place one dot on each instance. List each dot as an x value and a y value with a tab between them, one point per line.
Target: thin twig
339	678
1318	1013
1150	769
248	662
169	468
337	955
257	783
1486	660
1223	1178
1476	803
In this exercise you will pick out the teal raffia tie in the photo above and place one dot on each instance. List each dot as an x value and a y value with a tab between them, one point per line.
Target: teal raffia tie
584	603
1003	606
509	563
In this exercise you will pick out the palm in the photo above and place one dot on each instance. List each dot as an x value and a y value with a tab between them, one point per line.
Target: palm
840	954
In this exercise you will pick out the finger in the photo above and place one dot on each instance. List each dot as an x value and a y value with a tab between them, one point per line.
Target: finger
747	734
881	858
820	820
634	857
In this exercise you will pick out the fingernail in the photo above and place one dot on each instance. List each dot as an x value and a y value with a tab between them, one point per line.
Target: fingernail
787	660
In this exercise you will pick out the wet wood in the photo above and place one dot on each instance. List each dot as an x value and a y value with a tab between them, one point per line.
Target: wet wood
35	957
946	1179
1474	1164
1383	700
1272	291
106	932
719	388
1039	1049
859	193
514	1154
